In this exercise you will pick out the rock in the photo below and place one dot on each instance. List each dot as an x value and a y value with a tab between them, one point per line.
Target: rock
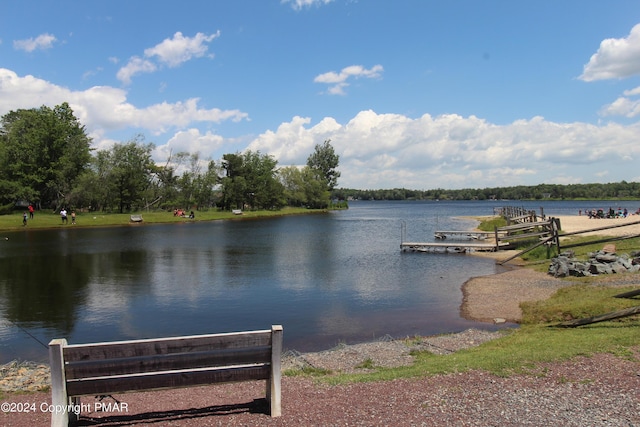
600	262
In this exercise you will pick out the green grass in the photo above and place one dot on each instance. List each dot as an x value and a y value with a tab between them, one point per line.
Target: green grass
536	341
540	254
491	223
48	219
577	302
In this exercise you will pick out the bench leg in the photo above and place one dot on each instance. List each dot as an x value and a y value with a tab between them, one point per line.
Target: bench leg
273	383
59	398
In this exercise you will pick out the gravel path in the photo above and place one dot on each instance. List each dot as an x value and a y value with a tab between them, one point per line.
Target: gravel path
603	390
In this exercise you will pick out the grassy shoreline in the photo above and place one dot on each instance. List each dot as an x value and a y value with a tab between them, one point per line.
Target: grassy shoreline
49	220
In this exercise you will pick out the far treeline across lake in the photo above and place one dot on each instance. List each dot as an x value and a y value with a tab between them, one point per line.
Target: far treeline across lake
610	191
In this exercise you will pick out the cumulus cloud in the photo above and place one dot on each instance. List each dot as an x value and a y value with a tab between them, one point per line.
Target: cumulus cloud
300	4
102	108
42	42
615	59
339	81
136	65
171	52
190	141
451	151
179	49
625	105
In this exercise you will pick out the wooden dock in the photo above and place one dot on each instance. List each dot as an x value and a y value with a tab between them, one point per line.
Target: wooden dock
450	247
460	235
523	225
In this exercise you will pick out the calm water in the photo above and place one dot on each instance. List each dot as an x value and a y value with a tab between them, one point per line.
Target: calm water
327	278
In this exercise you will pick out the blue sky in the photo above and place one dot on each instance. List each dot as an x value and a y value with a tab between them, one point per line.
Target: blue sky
413	93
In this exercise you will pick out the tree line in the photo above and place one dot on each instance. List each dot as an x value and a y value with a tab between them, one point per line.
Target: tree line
46	160
608	191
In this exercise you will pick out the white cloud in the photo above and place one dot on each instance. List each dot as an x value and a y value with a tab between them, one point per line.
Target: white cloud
292	142
338	81
191	141
615	59
102	108
450	151
179	49
623	106
171	52
136	65
43	41
376	150
299	4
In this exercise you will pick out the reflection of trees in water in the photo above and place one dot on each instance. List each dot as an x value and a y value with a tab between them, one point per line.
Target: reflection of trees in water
48	291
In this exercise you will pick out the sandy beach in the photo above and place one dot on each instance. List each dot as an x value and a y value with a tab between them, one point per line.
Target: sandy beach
573	223
497	298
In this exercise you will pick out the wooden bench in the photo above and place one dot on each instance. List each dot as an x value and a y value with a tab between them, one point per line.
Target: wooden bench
149	364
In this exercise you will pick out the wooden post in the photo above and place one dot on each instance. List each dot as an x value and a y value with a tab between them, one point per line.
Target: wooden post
59	398
555	226
276	374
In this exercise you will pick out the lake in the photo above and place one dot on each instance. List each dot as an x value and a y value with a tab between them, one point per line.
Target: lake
331	278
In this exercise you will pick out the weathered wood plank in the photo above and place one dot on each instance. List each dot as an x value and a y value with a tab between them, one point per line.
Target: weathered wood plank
170	379
629	294
525	236
169	362
601	318
133	348
601	228
525	226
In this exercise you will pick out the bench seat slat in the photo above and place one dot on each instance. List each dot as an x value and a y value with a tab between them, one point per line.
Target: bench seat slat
169	379
168	362
123	349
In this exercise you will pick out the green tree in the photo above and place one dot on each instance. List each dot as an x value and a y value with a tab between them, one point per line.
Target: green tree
42	153
126	171
205	185
250	180
302	188
324	161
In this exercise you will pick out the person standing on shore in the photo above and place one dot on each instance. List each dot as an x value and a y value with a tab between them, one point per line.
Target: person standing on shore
73	217
63	215
24	219
31	211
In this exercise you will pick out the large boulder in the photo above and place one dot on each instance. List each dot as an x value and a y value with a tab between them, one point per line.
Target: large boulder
600	262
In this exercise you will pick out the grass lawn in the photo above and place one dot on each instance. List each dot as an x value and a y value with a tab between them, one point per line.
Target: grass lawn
47	219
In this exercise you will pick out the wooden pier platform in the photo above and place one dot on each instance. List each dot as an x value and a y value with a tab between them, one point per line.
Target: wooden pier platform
460	235
452	247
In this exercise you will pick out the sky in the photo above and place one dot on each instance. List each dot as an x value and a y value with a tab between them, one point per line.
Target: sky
419	94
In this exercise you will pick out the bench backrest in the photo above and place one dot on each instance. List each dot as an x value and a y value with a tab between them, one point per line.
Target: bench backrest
121	366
